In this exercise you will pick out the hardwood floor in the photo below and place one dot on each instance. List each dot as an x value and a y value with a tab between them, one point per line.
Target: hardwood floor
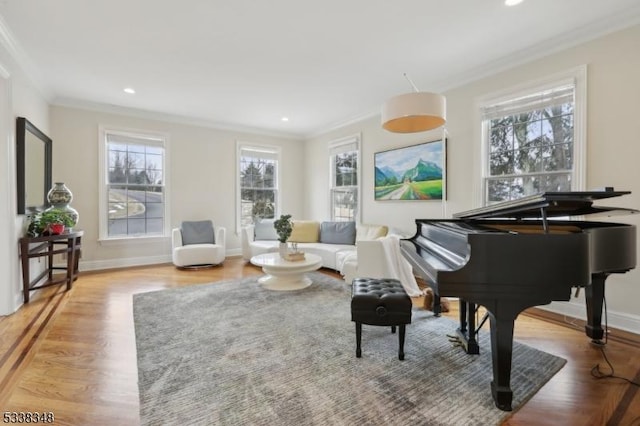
73	354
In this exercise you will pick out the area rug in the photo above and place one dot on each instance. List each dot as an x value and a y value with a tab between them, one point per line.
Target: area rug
233	353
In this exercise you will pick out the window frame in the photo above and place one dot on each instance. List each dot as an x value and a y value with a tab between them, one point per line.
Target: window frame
578	78
269	150
103	170
334	147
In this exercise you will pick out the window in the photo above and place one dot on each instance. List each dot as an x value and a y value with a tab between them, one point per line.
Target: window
344	192
133	192
532	142
258	183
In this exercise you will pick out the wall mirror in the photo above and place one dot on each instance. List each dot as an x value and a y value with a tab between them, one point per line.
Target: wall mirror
33	154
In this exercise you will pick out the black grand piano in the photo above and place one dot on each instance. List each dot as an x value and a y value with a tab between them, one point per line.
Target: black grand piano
511	256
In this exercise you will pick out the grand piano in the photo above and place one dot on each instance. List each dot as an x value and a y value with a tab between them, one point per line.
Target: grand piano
513	255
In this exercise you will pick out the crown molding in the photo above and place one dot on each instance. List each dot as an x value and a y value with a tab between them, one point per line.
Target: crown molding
546	48
171	118
18	54
343	123
550	46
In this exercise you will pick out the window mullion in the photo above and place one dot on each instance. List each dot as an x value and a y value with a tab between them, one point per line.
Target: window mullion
538	123
344	156
135	179
257	183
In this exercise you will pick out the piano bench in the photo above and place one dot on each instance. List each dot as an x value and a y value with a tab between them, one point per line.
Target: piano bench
380	302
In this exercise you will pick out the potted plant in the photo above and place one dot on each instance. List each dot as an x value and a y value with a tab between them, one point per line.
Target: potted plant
54	221
284	227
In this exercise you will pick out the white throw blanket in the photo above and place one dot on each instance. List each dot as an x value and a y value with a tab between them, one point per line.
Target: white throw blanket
398	266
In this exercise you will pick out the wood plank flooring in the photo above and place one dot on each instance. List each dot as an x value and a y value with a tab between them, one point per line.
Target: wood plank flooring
73	354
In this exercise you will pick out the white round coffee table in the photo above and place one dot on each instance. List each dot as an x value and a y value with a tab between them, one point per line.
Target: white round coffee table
285	274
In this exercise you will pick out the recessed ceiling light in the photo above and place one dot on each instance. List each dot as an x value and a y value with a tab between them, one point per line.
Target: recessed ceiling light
512	2
285	119
129	90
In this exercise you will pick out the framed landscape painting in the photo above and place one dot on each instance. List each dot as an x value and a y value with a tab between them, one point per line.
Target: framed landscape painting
414	172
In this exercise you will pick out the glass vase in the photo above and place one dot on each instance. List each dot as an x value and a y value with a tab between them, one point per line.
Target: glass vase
60	196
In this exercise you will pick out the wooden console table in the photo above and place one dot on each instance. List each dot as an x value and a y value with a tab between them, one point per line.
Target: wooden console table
31	247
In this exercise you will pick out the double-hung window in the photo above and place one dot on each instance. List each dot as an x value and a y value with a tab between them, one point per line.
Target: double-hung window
344	174
258	183
533	141
133	191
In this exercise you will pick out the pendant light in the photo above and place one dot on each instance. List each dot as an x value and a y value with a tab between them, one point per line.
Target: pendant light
414	112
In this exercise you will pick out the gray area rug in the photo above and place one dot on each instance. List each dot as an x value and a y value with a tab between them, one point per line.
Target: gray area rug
232	353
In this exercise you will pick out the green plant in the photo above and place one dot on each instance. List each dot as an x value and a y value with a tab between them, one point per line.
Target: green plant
39	222
35	228
284	227
52	216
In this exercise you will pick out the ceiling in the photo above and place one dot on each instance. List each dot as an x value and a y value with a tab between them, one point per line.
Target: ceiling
247	63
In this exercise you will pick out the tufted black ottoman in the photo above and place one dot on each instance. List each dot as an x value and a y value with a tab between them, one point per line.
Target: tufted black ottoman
380	302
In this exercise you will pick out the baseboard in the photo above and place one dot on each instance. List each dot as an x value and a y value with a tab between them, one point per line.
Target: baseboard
234	252
577	310
573	313
97	265
614	333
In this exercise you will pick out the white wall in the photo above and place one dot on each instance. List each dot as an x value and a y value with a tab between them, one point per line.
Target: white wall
18	97
202	184
613	67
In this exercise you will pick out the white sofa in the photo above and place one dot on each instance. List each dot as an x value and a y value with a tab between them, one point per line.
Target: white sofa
260	240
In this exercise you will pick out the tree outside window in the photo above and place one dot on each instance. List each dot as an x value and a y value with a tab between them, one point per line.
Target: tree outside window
530	150
258	185
344	180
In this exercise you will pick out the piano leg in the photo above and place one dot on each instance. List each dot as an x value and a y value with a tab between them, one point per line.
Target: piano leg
502	316
472	342
501	355
467	331
463	315
437	307
594	297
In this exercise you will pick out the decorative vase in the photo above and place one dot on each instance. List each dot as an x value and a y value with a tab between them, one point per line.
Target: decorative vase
60	196
283	250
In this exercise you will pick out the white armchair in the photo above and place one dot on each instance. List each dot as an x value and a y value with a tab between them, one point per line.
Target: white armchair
198	244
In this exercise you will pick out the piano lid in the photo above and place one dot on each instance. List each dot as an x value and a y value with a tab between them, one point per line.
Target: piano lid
548	204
